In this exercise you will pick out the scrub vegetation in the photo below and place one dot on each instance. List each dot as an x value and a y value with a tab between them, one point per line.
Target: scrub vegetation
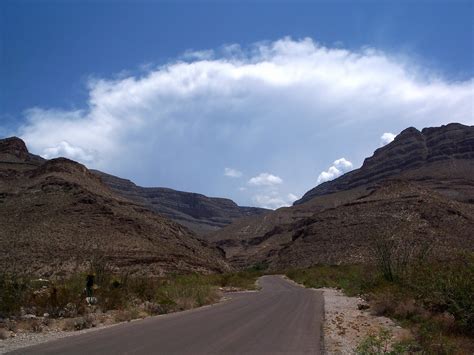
34	304
432	298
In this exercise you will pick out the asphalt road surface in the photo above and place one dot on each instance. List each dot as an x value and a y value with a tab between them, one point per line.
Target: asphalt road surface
282	318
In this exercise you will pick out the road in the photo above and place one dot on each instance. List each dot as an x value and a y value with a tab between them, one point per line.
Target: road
282	318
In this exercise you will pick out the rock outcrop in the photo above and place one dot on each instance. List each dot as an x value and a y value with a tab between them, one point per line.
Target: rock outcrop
13	151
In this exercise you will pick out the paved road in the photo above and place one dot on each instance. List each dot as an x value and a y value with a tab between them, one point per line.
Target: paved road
281	319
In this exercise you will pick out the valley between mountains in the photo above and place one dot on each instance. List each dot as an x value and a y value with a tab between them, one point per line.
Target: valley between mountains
407	212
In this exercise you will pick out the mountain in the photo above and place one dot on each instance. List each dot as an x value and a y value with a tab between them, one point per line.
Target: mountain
197	212
56	216
421	185
434	157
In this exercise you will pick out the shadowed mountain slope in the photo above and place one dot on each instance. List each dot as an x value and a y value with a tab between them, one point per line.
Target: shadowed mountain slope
419	186
55	216
199	213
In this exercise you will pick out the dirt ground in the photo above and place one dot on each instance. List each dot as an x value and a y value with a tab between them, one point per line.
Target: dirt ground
345	325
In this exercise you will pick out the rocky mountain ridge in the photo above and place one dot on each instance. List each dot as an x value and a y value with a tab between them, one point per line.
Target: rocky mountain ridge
195	211
410	150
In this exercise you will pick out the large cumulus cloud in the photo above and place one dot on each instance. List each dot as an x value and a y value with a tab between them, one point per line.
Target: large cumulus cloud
288	106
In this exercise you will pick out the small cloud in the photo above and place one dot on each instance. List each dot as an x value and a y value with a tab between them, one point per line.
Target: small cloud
266	201
64	149
292	197
343	164
242	188
337	168
386	138
265	179
274	200
233	173
199	55
147	66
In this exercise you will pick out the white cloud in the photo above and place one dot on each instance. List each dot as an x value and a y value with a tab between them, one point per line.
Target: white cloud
64	149
387	138
343	164
233	173
265	179
337	168
246	105
291	198
198	55
273	200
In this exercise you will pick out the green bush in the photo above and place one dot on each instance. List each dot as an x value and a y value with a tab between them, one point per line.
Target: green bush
66	297
187	291
353	279
380	344
13	293
395	255
447	287
244	279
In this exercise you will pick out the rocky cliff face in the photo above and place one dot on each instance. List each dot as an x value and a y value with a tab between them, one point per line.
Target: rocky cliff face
421	155
14	151
420	186
199	213
56	216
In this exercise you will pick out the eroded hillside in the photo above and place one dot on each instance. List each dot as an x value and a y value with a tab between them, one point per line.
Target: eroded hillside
56	216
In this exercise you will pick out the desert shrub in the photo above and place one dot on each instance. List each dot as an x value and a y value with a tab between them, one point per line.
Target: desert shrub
245	280
143	288
353	279
67	297
13	293
34	325
62	297
433	340
153	308
79	323
433	298
379	344
395	255
4	334
100	268
127	315
447	287
259	267
113	295
187	291
10	325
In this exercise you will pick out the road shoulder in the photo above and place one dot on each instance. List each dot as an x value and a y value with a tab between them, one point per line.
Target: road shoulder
346	324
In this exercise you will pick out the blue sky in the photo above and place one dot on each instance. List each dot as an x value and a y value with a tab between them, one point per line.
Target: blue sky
256	102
